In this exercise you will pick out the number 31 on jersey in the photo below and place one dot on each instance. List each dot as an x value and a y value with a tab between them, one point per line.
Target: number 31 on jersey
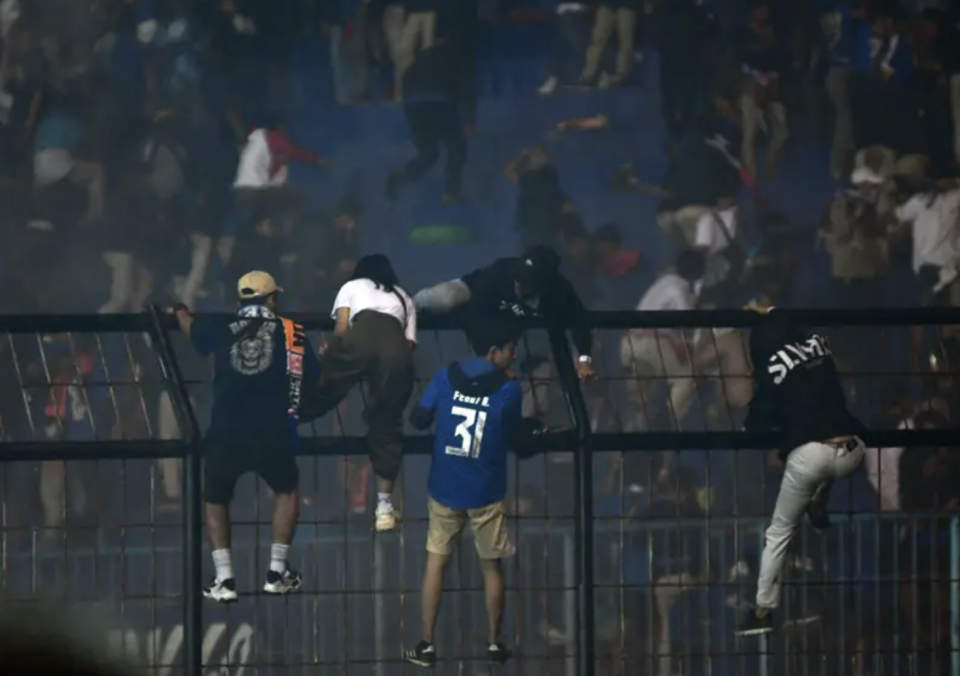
469	432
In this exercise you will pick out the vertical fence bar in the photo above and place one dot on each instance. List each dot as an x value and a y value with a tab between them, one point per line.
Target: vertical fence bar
192	515
569	594
955	596
583	502
379	612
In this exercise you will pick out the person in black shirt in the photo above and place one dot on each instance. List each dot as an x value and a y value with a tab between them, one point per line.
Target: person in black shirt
798	394
529	286
686	31
439	105
261	364
577	264
541	201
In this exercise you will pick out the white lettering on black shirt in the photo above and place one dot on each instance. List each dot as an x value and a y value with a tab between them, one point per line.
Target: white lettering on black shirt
518	309
792	355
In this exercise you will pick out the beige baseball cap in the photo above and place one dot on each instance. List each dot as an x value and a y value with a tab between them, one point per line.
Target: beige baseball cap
257	284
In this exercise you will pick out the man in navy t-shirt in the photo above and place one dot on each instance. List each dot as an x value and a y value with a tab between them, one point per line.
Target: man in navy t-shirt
261	361
476	406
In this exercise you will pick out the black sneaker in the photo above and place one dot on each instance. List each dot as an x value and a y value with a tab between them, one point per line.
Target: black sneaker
755	626
282	583
423	655
497	653
221	591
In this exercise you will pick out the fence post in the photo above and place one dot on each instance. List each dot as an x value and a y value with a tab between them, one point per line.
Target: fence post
583	502
955	596
192	515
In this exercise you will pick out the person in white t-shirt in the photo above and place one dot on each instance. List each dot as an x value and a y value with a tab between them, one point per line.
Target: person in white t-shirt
935	219
651	355
716	233
268	207
374	339
723	352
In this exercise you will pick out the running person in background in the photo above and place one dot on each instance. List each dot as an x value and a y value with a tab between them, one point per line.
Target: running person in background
374	339
477	407
798	394
528	286
261	363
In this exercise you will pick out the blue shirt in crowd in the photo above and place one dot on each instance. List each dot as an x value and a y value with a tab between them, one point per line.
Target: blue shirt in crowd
57	131
251	387
478	412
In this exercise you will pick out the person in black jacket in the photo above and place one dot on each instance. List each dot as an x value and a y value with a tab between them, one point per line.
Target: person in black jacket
798	394
529	286
439	101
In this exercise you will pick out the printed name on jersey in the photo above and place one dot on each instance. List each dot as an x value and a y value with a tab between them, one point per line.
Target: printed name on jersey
792	355
469	430
473	401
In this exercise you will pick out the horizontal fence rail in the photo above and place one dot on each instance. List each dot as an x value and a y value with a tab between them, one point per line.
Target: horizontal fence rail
637	529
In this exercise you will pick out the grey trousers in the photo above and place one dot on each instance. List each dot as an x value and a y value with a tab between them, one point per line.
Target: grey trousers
811	470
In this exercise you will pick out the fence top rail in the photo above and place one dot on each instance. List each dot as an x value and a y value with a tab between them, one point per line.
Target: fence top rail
136	323
559	442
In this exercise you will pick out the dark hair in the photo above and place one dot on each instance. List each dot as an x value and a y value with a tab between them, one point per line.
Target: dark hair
608	233
271	119
887	10
378	269
258	300
691	265
492	332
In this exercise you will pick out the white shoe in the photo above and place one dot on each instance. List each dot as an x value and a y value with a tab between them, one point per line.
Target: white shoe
387	518
548	87
222	591
607	81
282	583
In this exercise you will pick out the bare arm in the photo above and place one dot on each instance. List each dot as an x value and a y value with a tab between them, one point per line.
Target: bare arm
184	320
343	321
512	170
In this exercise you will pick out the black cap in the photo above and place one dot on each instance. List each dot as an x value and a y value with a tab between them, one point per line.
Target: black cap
536	267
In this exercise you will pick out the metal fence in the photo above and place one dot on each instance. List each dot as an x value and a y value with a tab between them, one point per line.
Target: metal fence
619	569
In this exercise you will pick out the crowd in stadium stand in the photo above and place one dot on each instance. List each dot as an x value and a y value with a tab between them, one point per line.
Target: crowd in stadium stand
145	158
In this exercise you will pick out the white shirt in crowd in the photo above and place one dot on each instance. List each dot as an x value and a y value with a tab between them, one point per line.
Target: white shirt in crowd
710	235
669	292
936	228
256	169
883	472
362	294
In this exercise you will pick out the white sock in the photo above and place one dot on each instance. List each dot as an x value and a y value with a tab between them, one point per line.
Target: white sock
384	501
278	557
224	564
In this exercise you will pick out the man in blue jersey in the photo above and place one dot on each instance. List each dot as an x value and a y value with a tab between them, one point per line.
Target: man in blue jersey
261	363
476	405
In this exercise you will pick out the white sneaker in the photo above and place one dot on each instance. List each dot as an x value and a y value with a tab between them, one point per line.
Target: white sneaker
608	81
387	518
282	583
222	591
548	87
